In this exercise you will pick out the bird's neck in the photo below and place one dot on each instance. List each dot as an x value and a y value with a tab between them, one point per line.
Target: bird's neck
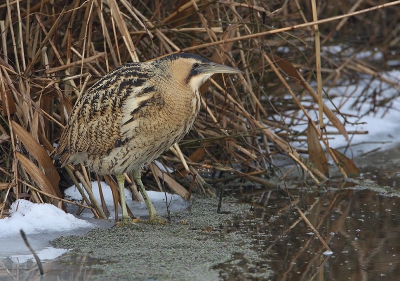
184	100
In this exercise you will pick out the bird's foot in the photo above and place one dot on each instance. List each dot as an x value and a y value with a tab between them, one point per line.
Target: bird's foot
156	219
125	221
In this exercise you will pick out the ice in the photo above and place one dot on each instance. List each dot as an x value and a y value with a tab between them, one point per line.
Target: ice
38	218
44	222
41	223
160	201
48	253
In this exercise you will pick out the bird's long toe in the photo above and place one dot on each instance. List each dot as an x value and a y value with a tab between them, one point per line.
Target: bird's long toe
157	220
125	221
153	220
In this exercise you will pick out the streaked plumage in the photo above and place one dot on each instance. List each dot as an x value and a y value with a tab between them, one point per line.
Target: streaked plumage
135	113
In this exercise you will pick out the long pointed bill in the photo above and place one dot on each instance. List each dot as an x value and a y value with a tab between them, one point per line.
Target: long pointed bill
219	68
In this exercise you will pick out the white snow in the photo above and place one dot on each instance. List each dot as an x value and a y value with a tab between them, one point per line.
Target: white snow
370	55
44	222
41	223
159	199
382	125
38	218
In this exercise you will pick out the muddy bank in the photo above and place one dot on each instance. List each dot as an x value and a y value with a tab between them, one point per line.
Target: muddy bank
186	249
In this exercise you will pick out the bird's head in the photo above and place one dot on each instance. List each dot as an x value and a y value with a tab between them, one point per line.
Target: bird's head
194	70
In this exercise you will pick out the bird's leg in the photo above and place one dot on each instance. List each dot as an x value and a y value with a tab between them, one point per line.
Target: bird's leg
150	207
125	217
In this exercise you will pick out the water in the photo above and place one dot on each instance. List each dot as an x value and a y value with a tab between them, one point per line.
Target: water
361	228
359	220
72	266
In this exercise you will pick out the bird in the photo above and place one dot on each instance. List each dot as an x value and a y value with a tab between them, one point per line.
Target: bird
134	113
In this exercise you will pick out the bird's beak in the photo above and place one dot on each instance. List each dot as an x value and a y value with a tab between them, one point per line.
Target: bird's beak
219	68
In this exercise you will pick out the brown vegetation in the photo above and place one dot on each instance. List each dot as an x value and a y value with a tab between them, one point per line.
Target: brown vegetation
52	51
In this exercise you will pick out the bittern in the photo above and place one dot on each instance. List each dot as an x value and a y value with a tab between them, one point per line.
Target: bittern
133	114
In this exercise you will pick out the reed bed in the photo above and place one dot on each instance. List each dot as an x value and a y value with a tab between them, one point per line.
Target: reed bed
52	51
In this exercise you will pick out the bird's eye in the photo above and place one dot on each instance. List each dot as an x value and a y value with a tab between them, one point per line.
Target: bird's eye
196	65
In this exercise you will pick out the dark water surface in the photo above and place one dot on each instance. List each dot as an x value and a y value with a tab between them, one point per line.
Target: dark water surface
359	220
361	227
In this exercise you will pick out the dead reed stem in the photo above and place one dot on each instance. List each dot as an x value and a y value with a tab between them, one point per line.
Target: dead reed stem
50	54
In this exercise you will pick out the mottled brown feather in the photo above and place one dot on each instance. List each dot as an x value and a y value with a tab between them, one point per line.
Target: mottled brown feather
94	125
133	114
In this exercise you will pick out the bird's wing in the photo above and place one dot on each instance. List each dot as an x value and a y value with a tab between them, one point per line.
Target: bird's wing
94	126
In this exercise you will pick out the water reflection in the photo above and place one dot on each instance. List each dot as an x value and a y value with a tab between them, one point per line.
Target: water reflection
361	227
382	167
70	267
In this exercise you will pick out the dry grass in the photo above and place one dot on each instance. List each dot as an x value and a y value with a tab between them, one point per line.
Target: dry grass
51	53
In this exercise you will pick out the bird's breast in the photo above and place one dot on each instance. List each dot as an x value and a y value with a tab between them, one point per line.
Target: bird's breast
149	127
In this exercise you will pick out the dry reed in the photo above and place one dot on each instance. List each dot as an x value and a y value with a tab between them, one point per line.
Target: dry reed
51	51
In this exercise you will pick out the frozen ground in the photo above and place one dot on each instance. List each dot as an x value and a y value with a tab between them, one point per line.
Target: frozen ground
159	199
381	122
45	222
